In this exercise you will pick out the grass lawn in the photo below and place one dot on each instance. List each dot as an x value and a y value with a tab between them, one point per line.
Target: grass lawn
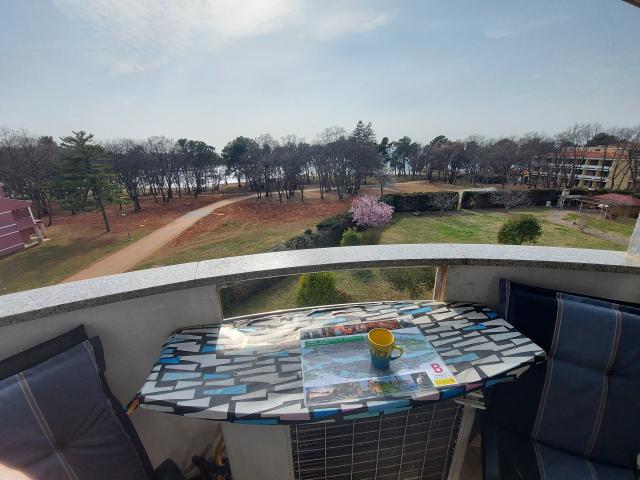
67	251
230	237
620	226
454	227
243	229
468	226
359	286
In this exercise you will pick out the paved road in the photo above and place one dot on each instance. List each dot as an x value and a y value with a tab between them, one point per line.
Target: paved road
127	258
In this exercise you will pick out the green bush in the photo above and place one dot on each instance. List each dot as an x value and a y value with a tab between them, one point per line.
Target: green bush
523	229
330	229
416	281
317	289
350	238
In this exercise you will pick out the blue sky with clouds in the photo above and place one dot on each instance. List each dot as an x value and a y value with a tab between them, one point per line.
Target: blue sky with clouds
216	69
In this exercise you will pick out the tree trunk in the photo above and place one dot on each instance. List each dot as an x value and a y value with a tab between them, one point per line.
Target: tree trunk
49	212
107	225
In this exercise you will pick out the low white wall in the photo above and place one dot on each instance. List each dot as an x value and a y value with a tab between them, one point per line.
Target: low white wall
132	333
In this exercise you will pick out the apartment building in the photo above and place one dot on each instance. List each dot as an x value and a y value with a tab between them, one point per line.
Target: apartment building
601	167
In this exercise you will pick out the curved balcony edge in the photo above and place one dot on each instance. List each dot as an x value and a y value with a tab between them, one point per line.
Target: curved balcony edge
37	303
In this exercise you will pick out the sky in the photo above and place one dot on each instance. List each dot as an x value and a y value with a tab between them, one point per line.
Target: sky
214	69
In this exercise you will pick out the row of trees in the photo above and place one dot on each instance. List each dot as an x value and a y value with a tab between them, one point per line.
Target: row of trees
79	173
537	160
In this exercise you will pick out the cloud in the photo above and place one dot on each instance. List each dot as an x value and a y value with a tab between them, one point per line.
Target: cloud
496	33
134	36
336	25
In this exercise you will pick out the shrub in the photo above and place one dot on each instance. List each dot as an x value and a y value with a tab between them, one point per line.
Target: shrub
523	229
416	281
330	229
350	238
317	289
335	221
368	211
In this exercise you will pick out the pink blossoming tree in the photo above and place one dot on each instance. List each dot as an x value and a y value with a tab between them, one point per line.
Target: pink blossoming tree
368	211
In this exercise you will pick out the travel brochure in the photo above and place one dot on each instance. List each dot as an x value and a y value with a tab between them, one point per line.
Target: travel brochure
336	364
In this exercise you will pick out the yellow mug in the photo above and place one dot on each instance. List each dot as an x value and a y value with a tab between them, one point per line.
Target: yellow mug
381	347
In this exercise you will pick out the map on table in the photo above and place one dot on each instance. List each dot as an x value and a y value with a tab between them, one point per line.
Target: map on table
336	365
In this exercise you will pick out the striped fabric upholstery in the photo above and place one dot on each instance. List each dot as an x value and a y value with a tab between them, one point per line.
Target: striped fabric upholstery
57	423
581	410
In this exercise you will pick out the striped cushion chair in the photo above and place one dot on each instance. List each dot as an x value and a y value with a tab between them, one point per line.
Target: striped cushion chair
59	419
577	416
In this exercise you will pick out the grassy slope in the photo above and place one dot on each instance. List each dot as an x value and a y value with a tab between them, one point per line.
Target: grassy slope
68	251
620	226
478	227
360	286
231	237
456	227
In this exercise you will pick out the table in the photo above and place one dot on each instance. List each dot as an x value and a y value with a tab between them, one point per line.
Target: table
248	371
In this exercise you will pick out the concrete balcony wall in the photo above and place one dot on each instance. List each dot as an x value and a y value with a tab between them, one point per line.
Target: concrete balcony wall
480	284
132	332
134	313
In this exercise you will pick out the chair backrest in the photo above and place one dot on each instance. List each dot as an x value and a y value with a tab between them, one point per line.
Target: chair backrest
59	420
586	398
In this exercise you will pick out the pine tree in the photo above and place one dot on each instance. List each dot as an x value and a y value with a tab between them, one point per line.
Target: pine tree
85	171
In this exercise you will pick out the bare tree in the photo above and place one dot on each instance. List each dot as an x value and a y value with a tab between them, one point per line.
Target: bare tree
444	201
27	167
510	198
383	176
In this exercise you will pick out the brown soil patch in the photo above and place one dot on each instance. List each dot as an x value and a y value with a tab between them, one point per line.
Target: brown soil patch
152	216
268	211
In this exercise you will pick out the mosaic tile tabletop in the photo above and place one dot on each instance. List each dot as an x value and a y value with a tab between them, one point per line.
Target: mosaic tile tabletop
248	370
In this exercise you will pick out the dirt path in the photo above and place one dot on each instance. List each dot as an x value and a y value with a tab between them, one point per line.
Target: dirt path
127	258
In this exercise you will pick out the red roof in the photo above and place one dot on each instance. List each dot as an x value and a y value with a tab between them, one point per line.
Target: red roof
617	199
12	204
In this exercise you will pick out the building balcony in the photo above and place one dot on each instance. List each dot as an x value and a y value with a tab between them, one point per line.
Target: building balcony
134	313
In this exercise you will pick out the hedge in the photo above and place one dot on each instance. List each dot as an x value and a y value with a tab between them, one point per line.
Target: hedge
330	229
410	202
537	197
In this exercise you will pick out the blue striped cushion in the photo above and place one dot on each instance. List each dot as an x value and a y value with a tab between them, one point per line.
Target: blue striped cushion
57	422
587	401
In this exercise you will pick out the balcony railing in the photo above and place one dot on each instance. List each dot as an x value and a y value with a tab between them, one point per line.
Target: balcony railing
135	312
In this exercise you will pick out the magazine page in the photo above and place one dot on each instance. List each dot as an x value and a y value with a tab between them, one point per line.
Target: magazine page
336	364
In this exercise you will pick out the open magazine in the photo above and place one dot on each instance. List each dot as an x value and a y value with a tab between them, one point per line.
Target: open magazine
336	365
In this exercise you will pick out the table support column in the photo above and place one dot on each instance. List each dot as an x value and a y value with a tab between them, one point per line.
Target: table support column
462	442
440	283
259	451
